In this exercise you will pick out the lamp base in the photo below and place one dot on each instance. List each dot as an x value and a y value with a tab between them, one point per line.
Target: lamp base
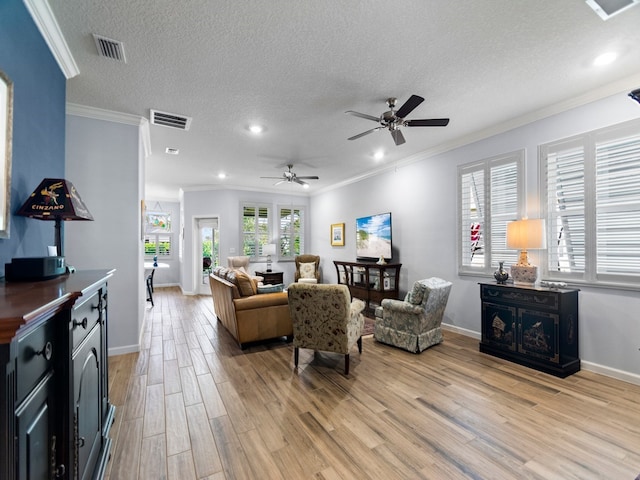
524	274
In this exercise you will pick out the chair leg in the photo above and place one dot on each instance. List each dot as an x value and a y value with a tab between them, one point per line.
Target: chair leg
150	294
360	345
346	364
296	356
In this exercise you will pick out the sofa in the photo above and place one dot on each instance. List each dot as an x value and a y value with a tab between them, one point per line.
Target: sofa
247	313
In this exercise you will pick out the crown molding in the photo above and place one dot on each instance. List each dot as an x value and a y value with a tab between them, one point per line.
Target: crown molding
46	22
115	117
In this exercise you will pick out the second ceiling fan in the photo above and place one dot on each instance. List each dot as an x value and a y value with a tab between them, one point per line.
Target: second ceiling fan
291	177
394	119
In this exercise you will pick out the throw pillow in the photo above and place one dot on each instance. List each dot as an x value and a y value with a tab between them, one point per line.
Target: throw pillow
245	284
279	287
308	270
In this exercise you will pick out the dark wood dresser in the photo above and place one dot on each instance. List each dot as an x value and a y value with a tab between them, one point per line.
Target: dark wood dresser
55	413
535	327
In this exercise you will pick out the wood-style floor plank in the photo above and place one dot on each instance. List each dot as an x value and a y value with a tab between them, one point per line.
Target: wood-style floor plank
193	405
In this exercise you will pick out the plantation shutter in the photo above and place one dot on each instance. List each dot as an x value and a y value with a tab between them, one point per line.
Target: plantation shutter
618	205
566	247
291	232
255	229
504	209
472	200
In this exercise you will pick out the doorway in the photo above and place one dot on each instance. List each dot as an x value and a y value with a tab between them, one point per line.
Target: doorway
207	255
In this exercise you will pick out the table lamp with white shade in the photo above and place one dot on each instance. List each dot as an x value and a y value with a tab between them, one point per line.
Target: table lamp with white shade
268	250
524	235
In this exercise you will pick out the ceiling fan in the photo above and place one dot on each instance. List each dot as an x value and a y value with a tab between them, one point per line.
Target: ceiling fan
394	119
291	177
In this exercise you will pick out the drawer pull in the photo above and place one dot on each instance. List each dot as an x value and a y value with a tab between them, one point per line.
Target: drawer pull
82	324
81	442
46	352
95	307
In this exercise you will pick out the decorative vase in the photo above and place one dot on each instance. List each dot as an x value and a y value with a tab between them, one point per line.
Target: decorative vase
501	274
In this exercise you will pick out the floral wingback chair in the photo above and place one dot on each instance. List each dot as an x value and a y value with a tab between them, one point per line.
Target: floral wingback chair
414	324
325	318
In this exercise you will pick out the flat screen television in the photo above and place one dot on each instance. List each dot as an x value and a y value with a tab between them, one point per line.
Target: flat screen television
373	237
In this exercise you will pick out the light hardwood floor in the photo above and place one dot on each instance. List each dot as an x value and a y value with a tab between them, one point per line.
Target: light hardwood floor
192	405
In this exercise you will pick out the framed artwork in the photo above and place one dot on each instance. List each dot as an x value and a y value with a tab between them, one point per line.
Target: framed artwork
6	124
337	234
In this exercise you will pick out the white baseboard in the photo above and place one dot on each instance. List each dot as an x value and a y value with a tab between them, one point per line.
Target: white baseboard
589	366
461	331
123	350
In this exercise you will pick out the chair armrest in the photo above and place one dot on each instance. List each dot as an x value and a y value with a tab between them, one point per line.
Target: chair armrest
400	306
356	307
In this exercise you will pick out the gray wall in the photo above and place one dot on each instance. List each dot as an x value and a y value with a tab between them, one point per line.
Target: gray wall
103	163
422	197
226	204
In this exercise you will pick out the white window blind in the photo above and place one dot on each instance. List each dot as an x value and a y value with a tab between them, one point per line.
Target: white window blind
490	195
291	231
591	188
157	245
255	229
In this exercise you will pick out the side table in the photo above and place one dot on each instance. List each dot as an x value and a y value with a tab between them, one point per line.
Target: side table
271	278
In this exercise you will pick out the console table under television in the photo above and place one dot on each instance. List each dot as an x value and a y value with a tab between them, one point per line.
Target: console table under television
370	282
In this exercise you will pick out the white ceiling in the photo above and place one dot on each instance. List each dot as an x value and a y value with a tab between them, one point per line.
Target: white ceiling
295	66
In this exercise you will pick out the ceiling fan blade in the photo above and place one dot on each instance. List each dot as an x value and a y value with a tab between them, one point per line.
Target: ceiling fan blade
363	115
297	180
307	177
430	122
275	178
278	183
397	137
364	133
409	105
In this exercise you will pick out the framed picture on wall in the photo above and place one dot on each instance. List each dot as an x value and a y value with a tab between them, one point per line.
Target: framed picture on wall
337	234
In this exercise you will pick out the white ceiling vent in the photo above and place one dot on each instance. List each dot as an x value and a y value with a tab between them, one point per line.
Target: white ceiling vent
172	120
608	8
110	48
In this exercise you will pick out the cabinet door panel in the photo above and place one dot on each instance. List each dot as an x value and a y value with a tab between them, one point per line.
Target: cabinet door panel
87	404
499	325
539	334
35	430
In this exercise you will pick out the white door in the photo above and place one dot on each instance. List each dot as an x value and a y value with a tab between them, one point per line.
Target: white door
208	239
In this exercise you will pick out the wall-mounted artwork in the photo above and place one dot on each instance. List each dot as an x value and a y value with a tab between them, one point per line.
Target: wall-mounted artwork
158	222
6	125
337	234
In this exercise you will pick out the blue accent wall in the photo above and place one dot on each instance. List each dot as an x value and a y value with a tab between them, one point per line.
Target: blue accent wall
39	97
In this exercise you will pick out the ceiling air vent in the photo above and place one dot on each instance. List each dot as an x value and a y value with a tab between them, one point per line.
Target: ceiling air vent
172	120
110	48
608	8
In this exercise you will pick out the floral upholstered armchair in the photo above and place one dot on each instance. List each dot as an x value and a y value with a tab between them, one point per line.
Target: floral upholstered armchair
414	324
325	318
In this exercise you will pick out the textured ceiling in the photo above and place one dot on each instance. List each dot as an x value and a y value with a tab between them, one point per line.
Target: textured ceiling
297	66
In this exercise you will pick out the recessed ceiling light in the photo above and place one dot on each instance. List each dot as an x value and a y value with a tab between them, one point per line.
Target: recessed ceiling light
605	59
379	155
222	175
172	151
256	129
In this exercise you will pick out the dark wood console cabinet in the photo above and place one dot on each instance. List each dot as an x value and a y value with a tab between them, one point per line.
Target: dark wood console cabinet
535	327
370	282
55	413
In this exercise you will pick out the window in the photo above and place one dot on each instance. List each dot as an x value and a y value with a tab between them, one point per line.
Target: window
591	194
158	237
291	232
255	229
157	244
490	194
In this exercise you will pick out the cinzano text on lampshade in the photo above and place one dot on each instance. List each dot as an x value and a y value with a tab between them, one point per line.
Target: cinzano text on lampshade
55	199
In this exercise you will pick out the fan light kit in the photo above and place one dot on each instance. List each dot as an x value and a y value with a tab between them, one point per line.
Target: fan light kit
291	177
392	120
